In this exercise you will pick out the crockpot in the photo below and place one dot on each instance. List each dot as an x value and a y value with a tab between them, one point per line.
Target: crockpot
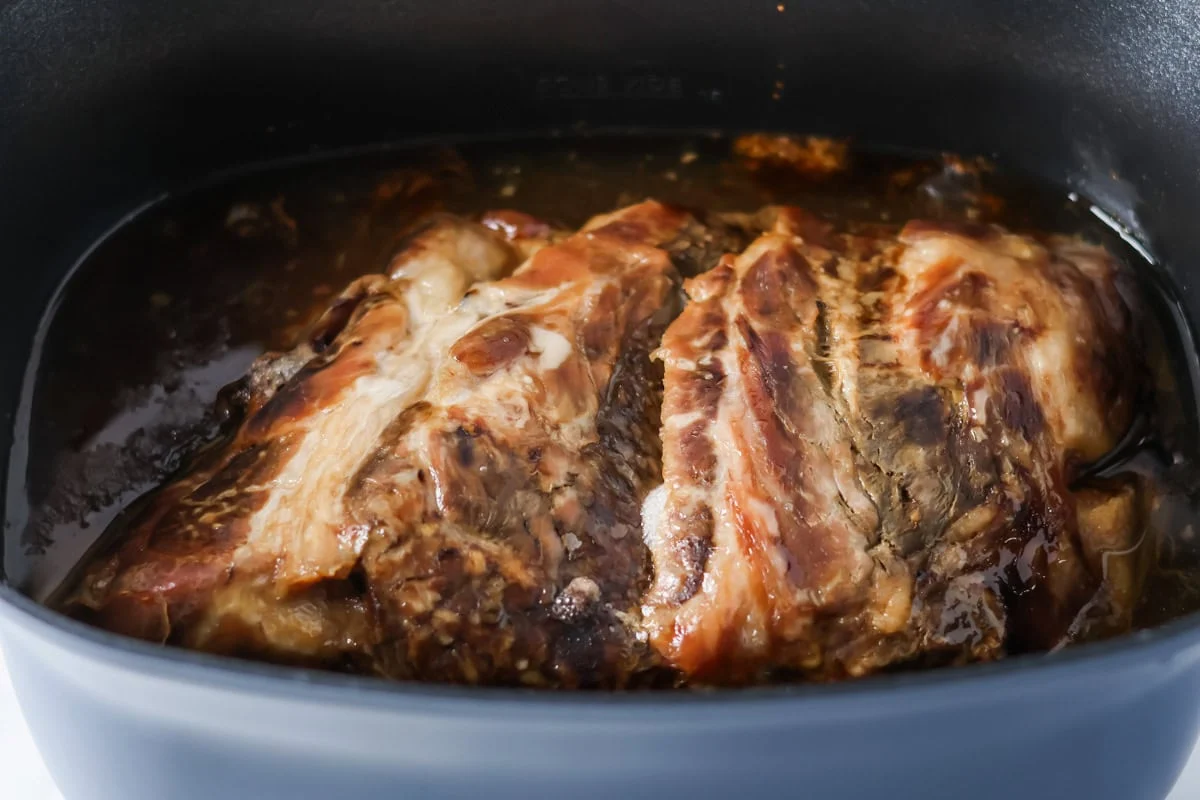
106	105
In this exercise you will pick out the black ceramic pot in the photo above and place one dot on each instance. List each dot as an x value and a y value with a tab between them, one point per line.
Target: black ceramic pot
106	104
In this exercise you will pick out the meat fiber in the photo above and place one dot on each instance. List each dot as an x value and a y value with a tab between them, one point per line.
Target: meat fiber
250	551
869	441
865	444
502	512
444	479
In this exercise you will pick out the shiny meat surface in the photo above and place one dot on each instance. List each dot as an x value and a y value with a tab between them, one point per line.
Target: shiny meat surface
249	552
444	479
868	447
502	513
865	442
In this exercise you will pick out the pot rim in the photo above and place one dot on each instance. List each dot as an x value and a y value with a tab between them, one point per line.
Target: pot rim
1163	649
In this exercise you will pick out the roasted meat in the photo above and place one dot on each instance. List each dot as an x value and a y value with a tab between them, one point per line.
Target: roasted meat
502	512
444	479
869	441
866	444
250	551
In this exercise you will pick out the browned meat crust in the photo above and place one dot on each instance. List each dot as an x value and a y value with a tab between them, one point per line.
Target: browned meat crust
249	551
503	512
868	441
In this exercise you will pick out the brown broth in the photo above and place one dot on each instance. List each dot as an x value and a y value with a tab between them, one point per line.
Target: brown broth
177	302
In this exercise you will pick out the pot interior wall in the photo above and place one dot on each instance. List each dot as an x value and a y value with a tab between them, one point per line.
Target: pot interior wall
106	105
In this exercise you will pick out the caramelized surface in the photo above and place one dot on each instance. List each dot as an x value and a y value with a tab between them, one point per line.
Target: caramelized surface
502	511
868	445
665	448
239	554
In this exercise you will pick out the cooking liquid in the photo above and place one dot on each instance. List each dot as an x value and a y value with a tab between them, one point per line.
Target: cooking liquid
177	302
